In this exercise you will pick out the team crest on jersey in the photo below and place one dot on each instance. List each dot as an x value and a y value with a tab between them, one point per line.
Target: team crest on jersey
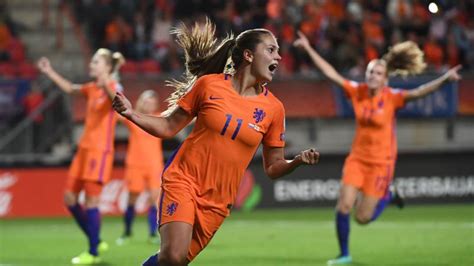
171	208
380	104
259	115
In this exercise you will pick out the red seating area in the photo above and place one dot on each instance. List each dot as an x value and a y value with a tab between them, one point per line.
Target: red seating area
17	66
147	67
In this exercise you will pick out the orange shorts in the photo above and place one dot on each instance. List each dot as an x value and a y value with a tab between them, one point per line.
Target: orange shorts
91	188
139	178
177	204
89	165
372	179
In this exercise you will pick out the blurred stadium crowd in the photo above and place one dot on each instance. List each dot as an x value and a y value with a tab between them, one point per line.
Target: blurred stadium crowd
348	33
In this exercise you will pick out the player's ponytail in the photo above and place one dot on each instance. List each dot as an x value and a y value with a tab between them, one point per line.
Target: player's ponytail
204	54
404	59
114	60
117	61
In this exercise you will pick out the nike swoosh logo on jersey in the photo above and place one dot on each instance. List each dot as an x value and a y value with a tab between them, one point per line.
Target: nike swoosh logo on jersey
215	98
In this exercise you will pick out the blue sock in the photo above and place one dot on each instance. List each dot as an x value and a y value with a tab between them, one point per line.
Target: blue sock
152	260
93	226
152	220
343	228
128	218
383	202
80	216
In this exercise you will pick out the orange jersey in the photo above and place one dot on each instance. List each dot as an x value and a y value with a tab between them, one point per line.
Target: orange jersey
229	128
143	149
99	128
375	137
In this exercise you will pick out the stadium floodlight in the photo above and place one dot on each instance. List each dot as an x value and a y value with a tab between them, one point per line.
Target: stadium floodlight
433	8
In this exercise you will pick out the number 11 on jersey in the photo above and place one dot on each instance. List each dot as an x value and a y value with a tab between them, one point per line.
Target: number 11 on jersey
227	122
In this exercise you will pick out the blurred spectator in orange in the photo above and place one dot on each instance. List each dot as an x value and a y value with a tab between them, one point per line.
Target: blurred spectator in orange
433	52
452	51
421	16
274	8
371	52
336	9
119	36
372	30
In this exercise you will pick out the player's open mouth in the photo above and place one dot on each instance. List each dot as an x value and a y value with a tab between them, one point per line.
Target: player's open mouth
273	67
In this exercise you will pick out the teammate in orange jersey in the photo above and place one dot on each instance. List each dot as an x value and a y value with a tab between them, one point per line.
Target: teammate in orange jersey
144	166
92	164
235	114
370	165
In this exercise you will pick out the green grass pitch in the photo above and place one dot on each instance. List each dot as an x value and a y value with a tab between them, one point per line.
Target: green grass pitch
417	235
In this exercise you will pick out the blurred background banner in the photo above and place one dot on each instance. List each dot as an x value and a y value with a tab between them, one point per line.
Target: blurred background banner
421	178
38	192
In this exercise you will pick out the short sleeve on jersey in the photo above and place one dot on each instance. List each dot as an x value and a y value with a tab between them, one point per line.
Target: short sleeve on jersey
275	135
350	88
86	88
191	101
398	97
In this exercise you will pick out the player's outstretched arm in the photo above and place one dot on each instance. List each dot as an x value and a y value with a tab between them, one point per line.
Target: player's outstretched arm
427	88
276	166
327	69
158	126
65	85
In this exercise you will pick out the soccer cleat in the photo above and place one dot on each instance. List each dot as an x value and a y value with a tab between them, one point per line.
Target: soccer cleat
123	240
85	258
155	240
102	247
340	260
397	198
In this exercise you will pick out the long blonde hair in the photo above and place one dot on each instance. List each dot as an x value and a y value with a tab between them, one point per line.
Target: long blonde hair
205	54
404	59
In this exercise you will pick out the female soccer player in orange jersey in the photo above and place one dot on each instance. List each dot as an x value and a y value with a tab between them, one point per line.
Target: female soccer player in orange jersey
143	167
370	165
92	163
235	113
